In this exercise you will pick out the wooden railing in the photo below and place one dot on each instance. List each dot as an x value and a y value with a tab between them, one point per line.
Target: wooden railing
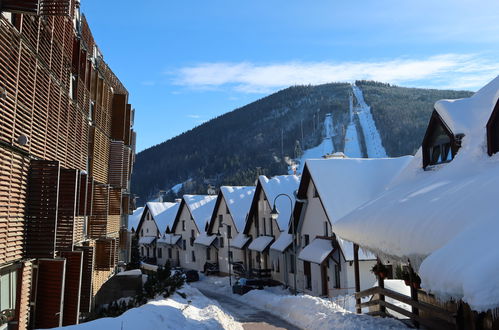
440	318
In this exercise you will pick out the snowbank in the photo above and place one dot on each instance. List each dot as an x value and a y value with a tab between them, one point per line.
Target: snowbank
194	312
304	311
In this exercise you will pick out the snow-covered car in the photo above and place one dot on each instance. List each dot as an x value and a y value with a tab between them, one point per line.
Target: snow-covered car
244	285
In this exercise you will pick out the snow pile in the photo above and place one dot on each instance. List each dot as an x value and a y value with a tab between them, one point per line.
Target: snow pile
372	138
194	312
134	219
201	208
163	214
238	200
304	311
443	219
283	184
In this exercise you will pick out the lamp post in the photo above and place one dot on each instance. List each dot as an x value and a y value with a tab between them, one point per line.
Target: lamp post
274	214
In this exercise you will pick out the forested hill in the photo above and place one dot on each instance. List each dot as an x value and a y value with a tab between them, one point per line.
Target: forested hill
234	148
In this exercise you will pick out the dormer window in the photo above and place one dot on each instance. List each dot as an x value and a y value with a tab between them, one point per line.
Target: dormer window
439	144
493	131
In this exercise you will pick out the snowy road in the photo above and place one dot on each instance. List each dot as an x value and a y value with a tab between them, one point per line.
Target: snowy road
249	316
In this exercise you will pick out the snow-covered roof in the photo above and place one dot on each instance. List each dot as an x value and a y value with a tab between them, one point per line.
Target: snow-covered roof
317	251
347	249
260	243
457	115
134	219
169	239
444	219
283	242
239	241
201	207
146	240
163	213
204	239
344	184
282	184
238	200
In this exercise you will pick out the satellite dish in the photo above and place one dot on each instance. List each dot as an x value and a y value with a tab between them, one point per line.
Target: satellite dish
22	140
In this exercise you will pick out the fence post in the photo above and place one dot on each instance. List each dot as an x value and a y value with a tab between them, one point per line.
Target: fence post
381	284
357	275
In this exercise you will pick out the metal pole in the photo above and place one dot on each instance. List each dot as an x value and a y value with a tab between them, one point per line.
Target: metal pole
230	275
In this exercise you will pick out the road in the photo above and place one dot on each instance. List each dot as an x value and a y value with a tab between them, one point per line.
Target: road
251	317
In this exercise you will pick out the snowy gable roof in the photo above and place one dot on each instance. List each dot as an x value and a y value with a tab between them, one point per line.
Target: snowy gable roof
134	219
260	243
344	184
444	219
163	213
238	200
282	184
458	116
201	208
283	242
317	251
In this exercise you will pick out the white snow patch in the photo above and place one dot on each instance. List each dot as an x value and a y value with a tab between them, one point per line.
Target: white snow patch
238	200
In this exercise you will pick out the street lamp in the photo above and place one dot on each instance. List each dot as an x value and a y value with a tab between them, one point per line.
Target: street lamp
274	214
228	252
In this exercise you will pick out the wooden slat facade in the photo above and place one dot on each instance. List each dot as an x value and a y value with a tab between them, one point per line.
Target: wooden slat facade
56	124
50	277
24	281
72	288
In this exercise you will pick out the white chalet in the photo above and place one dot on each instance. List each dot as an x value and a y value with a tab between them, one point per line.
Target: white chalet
329	190
227	224
156	218
263	230
190	224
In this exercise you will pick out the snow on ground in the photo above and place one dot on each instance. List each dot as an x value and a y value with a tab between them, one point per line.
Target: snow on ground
194	312
374	145
304	311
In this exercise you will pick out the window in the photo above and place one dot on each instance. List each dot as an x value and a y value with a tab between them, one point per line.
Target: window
169	253
229	232
277	266
147	230
160	253
220	220
230	256
193	256
8	289
308	275
306	240
192	233
184	245
271	228
439	144
264	227
183	224
291	264
326	231
142	251
221	241
208	253
257	228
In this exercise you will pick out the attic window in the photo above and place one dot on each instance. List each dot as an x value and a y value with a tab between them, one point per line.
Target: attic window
439	144
493	131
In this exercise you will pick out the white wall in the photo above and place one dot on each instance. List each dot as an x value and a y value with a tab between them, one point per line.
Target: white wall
186	255
147	229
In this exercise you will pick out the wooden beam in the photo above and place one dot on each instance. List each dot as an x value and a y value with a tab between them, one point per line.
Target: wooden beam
357	275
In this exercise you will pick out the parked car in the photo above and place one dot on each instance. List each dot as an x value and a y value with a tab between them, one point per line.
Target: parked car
244	285
191	276
211	268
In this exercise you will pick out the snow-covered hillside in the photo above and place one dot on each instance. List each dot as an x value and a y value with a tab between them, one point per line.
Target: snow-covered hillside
372	138
352	143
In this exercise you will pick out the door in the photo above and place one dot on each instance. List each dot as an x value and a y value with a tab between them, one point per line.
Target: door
308	275
325	289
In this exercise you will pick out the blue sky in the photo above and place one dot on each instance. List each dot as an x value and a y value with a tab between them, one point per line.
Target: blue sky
185	62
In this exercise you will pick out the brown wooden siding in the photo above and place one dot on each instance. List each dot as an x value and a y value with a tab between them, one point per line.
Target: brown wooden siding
87	278
116	159
97	226
66	210
42	209
24	291
49	293
72	287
